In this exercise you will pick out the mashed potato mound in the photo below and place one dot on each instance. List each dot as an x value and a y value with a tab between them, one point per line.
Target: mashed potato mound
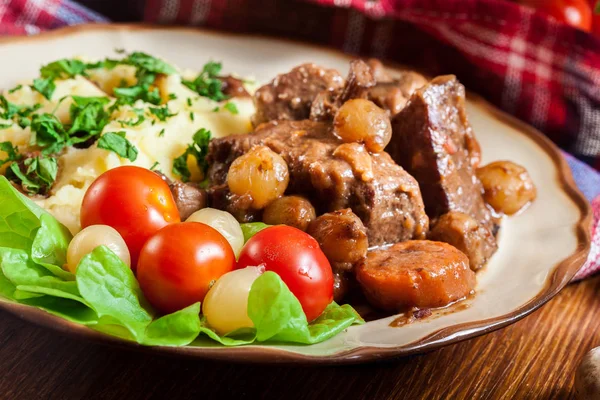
158	142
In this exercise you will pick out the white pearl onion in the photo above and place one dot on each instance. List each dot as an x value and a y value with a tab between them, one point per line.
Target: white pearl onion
94	236
226	303
224	223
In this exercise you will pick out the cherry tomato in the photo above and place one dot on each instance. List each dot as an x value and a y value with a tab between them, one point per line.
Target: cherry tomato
134	201
296	257
179	263
577	13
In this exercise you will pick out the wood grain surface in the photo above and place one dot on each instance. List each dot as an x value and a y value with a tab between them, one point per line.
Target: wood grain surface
532	359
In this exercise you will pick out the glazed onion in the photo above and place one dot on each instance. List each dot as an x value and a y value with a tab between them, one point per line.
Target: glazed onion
224	223
226	303
94	236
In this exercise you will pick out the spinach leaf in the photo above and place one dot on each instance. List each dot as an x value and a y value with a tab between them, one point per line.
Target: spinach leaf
176	329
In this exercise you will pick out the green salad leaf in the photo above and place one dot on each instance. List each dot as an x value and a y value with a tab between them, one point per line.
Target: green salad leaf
112	290
104	294
250	229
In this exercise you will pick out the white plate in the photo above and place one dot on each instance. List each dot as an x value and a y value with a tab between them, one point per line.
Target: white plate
539	250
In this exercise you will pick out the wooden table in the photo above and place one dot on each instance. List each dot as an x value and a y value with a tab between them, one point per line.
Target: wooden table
534	358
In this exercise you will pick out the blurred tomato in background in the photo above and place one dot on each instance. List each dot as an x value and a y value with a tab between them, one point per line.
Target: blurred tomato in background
577	13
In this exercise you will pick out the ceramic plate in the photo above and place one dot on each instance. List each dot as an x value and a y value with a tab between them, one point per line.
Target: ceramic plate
540	249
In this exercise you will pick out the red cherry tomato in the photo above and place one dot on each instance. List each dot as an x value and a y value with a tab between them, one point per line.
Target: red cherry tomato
297	258
577	13
180	262
134	201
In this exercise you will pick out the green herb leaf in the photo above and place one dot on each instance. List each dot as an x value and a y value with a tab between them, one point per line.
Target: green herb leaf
207	84
89	118
172	96
48	133
110	288
191	116
149	63
117	143
45	86
154	166
198	149
15	112
231	107
162	113
161	133
12	153
16	88
140	118
64	69
36	174
252	228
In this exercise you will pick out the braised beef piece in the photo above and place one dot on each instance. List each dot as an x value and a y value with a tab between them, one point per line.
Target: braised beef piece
357	85
189	197
239	206
289	96
392	94
467	235
233	87
388	202
433	140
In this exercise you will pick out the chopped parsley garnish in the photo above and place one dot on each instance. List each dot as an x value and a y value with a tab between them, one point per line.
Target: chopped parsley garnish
207	83
35	175
162	113
172	96
154	166
61	69
11	151
147	67
216	109
48	133
198	149
89	118
18	87
161	133
231	107
140	118
189	102
117	143
16	113
191	115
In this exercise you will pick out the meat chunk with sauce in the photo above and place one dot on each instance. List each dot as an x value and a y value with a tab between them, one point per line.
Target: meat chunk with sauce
433	140
467	235
416	273
389	203
289	96
189	197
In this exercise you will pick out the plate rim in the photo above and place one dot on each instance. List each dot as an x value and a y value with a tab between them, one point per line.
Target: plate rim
561	274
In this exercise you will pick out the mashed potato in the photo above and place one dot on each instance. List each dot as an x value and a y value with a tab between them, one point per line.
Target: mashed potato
158	142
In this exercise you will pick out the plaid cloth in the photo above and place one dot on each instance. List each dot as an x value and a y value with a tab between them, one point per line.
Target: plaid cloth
531	66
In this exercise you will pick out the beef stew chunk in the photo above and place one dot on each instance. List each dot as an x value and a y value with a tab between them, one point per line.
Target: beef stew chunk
415	273
233	87
289	96
189	197
433	140
389	204
467	235
220	197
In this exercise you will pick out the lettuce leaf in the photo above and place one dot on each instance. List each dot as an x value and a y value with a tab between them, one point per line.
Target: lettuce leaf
105	295
19	220
110	288
250	229
278	316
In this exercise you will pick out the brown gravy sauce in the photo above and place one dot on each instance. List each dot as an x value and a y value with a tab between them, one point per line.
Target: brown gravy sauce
415	314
